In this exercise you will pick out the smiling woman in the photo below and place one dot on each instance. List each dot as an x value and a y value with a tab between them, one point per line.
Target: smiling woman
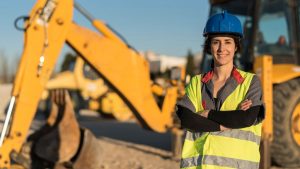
222	109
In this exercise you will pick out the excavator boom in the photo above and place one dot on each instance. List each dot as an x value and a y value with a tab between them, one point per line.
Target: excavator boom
125	70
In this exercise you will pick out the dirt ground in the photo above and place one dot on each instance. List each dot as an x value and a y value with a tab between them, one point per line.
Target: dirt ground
124	155
5	90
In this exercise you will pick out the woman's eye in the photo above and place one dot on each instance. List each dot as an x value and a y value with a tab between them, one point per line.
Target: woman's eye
215	42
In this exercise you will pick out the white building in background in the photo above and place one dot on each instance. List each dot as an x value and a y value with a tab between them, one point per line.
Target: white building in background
168	62
163	62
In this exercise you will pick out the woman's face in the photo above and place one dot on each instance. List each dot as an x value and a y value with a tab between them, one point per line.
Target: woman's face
223	49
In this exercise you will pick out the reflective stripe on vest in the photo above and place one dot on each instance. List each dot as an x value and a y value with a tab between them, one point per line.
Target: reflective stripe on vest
211	161
235	148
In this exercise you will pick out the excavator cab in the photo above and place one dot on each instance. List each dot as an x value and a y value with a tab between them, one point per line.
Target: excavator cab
270	28
270	48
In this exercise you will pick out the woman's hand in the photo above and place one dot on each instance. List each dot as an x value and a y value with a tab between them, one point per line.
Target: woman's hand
223	128
204	113
245	105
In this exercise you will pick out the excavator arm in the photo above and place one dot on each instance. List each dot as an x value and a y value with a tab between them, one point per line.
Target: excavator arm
124	70
50	26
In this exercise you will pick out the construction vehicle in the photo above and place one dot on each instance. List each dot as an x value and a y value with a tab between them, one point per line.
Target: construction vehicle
88	91
63	144
277	63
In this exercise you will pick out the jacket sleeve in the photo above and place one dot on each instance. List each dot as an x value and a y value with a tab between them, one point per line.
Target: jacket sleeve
236	118
256	96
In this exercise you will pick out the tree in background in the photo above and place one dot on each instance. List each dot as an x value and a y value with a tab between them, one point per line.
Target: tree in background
68	62
4	76
190	64
14	64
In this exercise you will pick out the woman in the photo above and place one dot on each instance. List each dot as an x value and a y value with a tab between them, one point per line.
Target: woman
222	109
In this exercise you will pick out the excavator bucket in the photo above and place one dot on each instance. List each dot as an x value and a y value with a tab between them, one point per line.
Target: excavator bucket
62	133
89	156
60	143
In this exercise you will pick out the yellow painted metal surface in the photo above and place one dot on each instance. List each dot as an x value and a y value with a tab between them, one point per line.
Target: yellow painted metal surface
76	81
89	88
64	80
158	90
273	74
296	124
284	72
113	104
94	90
264	69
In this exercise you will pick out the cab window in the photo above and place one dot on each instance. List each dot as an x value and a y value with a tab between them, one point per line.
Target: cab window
274	34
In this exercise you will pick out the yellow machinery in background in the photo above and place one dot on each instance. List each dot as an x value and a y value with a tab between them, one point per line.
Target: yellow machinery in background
62	143
88	91
271	49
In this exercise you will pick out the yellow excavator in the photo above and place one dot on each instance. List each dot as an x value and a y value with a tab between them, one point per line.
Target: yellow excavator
61	143
271	49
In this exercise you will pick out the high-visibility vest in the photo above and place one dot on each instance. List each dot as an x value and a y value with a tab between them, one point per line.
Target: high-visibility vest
234	148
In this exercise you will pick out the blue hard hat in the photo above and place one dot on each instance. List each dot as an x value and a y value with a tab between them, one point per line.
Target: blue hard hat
223	23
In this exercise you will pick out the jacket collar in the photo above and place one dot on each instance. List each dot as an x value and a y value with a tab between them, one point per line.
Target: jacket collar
234	73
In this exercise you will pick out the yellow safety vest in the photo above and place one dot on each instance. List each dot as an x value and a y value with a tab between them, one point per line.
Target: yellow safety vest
234	148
